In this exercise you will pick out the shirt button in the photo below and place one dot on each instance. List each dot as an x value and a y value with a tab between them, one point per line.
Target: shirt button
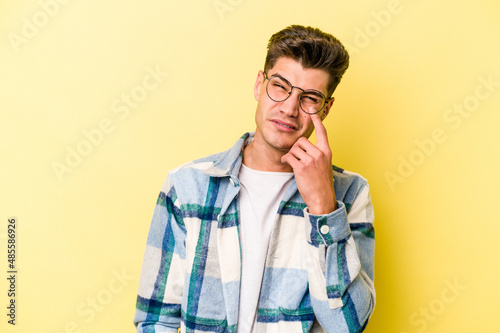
324	229
232	181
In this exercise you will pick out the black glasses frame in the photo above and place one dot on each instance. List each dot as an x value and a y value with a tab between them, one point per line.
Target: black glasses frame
290	93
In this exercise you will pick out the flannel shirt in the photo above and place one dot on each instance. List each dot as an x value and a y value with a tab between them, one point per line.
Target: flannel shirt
318	274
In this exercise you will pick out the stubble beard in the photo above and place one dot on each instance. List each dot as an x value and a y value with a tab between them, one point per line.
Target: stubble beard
276	143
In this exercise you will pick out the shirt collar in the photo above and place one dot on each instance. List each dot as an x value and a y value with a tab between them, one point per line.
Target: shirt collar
230	161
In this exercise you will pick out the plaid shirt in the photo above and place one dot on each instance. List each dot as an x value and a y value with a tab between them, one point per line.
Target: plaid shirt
318	273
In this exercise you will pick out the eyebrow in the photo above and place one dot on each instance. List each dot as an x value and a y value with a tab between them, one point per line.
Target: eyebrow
310	90
281	77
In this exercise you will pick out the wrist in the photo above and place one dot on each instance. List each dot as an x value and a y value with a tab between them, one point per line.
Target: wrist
325	204
323	209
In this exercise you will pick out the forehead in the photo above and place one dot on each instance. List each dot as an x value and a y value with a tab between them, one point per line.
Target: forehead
305	78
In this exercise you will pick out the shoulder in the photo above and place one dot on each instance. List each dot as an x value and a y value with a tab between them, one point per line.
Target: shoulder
193	169
200	164
222	164
345	177
348	184
189	182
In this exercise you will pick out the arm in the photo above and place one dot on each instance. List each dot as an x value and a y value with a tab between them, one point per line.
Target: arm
340	264
340	235
158	307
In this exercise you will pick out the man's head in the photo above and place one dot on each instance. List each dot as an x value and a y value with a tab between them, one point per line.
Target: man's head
312	48
306	59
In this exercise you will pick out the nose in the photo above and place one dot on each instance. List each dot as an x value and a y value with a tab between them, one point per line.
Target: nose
291	105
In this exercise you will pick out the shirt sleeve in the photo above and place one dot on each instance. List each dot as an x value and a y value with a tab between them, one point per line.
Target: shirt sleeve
340	264
158	307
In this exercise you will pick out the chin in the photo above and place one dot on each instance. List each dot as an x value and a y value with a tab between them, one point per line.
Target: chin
278	140
281	145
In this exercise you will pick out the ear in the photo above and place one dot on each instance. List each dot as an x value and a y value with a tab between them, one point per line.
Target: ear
328	106
258	84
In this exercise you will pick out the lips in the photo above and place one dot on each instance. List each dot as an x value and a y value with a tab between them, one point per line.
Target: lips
283	125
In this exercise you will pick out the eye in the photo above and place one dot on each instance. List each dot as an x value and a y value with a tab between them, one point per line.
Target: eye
278	85
312	98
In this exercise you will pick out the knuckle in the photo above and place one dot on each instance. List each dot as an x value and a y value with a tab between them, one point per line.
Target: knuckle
302	140
317	154
294	152
327	152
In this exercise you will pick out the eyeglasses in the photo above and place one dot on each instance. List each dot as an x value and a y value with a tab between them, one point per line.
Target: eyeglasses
279	89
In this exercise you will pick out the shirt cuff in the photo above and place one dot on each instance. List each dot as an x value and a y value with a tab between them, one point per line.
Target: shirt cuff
329	228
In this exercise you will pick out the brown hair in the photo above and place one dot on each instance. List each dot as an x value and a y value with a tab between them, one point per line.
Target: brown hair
312	48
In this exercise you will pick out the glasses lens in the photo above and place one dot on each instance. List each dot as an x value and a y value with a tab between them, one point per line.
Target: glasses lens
278	89
312	101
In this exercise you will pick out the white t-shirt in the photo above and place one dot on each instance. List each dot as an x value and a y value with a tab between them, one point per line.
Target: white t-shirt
260	195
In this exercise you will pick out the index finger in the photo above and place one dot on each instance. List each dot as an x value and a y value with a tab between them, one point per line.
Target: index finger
320	130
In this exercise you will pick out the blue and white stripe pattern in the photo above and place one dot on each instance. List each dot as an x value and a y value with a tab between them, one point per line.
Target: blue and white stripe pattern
319	269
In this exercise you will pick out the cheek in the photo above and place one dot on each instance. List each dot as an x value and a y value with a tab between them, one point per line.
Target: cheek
260	114
308	126
306	119
258	117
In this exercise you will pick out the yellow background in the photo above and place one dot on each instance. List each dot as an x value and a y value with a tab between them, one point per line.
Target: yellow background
412	63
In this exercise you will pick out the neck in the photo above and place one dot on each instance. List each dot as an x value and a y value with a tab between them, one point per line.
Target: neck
264	159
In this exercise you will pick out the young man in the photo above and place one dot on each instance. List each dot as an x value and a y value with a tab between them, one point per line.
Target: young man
267	236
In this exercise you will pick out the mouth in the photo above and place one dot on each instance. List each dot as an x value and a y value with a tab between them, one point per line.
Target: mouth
284	126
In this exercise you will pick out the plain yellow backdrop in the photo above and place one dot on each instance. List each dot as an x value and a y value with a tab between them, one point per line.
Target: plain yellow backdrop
100	98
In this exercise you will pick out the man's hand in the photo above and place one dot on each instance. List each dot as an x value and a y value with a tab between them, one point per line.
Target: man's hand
312	166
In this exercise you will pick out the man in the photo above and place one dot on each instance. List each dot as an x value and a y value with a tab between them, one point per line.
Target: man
267	236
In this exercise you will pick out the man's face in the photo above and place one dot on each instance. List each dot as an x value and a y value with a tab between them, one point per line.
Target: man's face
281	124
